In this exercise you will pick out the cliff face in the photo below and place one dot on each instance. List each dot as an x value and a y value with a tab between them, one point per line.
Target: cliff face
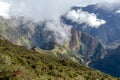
87	46
81	47
110	64
106	33
74	43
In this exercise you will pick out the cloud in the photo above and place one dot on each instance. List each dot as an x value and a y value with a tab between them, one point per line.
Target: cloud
40	10
82	17
118	11
4	9
45	9
110	5
60	31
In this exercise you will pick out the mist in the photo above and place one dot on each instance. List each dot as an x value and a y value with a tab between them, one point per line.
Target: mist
43	9
61	32
40	10
80	17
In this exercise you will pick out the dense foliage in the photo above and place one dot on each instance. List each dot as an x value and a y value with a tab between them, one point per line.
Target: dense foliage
19	63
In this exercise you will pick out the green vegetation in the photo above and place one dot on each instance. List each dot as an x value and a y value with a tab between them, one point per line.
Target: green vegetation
19	63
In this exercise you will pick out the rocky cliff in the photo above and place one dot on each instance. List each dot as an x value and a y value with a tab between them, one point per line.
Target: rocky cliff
81	47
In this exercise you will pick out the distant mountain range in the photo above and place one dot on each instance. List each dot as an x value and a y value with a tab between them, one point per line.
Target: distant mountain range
86	35
105	33
81	47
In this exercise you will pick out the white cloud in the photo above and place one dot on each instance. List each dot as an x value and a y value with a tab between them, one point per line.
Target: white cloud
51	10
110	6
90	19
42	9
118	11
45	9
60	31
4	9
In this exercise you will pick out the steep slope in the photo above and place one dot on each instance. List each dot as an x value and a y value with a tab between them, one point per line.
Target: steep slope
113	45
81	47
107	34
110	64
18	31
102	23
87	46
19	63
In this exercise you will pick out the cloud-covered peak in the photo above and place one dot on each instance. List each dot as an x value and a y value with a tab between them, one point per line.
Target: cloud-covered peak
4	9
60	31
82	17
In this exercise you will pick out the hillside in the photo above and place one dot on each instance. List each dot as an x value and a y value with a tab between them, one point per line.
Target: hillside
107	33
81	47
110	64
65	41
19	63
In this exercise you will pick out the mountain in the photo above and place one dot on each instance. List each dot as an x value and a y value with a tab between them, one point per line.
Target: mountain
99	20
102	22
86	35
80	47
20	63
18	31
110	64
113	45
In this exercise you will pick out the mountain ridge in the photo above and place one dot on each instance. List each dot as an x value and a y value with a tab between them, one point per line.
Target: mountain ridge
104	32
18	63
81	48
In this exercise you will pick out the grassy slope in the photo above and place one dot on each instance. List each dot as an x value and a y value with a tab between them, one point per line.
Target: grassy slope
18	63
